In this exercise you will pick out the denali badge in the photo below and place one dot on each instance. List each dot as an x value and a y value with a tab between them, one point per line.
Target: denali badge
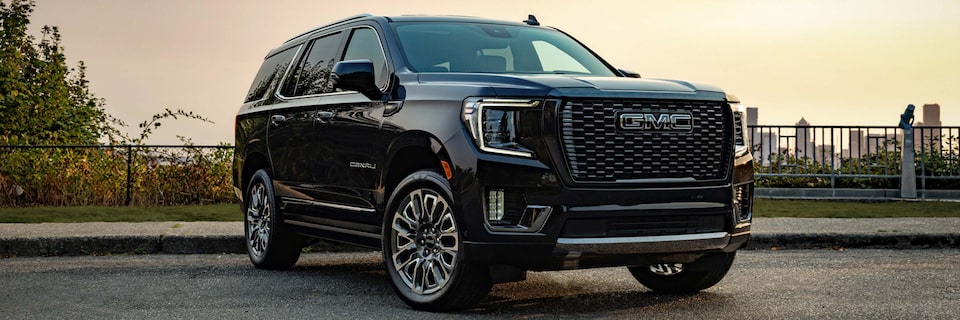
363	165
649	121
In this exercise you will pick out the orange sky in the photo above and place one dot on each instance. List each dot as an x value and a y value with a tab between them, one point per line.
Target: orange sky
856	62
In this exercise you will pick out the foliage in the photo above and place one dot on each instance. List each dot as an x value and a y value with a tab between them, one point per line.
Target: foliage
73	214
42	101
98	176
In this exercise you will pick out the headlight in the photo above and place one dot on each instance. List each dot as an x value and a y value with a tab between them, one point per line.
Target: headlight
740	138
493	124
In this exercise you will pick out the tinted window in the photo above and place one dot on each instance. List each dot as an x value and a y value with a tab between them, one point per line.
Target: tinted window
555	60
311	74
270	73
493	48
364	44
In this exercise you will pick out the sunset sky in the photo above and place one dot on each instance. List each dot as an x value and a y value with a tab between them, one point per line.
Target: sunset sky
850	62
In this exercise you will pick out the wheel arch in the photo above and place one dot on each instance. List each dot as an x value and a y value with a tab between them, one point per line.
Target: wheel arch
254	159
409	153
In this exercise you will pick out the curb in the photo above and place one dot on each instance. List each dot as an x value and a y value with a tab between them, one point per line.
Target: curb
853	241
233	244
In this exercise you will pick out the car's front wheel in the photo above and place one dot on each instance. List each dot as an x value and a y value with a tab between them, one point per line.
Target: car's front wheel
685	278
422	248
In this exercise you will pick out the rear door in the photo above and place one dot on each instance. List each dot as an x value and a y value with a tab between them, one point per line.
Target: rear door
300	154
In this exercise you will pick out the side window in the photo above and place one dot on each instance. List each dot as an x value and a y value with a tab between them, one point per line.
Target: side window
313	71
270	73
364	44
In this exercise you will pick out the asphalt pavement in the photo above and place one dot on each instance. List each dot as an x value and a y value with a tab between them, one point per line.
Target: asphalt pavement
108	238
762	284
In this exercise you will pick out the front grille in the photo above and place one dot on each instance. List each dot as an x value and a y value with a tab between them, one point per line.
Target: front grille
598	151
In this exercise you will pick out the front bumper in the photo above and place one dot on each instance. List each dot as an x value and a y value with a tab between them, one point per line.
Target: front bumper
590	227
588	253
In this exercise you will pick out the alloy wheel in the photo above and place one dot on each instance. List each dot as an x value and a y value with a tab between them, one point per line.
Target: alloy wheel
259	214
424	241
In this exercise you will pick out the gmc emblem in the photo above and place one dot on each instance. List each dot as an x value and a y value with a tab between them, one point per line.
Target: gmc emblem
656	121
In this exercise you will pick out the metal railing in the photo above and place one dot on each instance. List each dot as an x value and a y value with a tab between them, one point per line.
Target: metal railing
150	174
853	156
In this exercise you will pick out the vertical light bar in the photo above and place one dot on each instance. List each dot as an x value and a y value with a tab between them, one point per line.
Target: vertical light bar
495	205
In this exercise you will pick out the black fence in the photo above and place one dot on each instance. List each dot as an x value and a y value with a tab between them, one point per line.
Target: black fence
854	156
142	175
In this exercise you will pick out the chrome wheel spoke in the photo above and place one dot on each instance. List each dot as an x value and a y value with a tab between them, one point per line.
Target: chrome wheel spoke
258	220
425	242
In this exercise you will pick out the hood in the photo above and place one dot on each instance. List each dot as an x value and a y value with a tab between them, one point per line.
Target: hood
566	85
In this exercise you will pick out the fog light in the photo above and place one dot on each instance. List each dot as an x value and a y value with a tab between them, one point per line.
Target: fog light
495	204
743	202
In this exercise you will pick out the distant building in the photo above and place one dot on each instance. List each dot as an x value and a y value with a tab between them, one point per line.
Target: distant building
764	143
931	115
925	137
804	144
858	144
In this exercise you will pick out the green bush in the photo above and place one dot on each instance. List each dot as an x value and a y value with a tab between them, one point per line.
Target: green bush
98	176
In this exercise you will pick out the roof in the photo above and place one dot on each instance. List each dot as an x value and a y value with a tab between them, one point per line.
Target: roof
405	18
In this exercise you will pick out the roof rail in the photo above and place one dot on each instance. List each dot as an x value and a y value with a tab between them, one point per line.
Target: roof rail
330	25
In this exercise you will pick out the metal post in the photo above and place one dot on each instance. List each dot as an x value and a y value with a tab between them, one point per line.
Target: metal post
908	174
129	176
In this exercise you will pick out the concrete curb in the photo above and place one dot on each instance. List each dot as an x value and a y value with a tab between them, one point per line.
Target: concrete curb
853	241
233	244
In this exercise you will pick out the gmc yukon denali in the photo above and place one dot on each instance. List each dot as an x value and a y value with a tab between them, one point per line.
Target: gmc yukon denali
471	151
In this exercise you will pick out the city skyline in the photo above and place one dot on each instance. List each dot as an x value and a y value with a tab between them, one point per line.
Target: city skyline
926	115
831	144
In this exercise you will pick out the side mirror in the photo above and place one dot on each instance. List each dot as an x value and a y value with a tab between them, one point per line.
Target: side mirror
356	75
629	74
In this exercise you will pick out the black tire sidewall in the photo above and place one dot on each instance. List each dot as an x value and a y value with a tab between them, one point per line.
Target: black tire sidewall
263	176
421	180
701	274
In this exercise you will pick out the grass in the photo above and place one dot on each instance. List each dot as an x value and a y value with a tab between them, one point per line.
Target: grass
851	209
231	212
214	212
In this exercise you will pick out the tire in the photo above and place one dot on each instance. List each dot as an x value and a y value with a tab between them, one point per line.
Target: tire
269	245
692	277
422	248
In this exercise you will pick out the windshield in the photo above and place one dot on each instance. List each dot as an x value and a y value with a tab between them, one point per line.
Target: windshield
494	48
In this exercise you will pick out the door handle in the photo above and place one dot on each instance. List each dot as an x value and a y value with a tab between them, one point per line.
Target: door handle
277	119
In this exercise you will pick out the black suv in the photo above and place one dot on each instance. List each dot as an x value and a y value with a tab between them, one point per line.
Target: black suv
470	151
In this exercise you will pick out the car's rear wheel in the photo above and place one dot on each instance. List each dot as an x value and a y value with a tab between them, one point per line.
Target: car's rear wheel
422	248
703	273
268	244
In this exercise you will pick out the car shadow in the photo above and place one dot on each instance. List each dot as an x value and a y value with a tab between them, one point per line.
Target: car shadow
606	303
537	297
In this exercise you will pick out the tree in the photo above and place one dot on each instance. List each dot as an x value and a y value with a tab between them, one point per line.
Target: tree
42	101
